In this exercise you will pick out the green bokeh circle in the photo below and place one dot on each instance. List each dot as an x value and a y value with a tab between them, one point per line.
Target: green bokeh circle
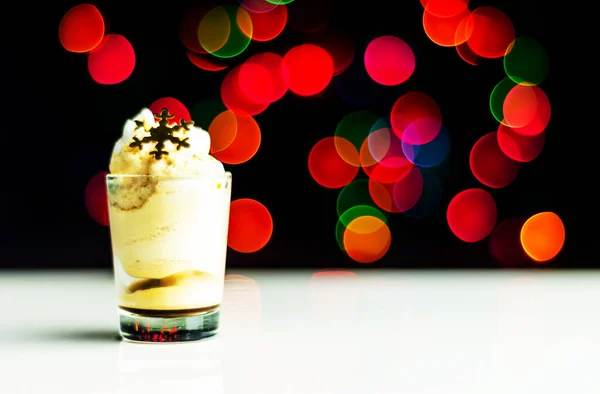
238	41
527	62
356	127
353	213
204	112
354	194
498	96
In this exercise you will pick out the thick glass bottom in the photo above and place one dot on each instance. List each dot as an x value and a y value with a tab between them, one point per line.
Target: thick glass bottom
171	326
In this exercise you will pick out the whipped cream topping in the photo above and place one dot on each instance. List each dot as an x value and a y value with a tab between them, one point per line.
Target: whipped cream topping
192	160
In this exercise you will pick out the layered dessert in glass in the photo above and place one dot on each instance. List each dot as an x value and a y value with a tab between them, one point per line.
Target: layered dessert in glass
169	213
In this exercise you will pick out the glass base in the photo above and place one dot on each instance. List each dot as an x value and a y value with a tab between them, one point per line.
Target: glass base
185	328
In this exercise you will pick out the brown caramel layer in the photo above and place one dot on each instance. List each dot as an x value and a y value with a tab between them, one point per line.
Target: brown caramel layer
169	313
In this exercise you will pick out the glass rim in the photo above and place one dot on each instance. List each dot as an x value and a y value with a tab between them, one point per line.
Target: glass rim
207	177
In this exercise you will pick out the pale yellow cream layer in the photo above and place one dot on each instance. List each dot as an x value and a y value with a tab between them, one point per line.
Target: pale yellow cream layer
181	227
186	290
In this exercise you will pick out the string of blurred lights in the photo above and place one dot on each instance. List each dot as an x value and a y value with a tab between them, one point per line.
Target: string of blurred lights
396	152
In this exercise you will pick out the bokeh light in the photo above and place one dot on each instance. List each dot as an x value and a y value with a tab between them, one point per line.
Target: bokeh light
472	215
519	147
188	27
174	106
445	8
520	106
257	6
326	165
96	198
389	60
250	225
113	61
225	31
490	165
430	154
336	274
234	97
245	144
498	96
350	215
382	195
260	78
396	152
214	29
205	63
467	54
309	16
367	239
241	297
266	25
490	32
307	69
205	111
388	169
505	243
222	131
381	141
526	109
81	29
526	62
416	118
543	236
353	194
431	198
354	127
382	157
408	190
448	31
328	303
338	44
256	83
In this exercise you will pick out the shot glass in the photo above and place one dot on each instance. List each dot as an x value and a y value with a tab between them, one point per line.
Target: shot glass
169	243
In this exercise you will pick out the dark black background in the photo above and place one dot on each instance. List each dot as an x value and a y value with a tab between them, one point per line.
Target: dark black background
59	127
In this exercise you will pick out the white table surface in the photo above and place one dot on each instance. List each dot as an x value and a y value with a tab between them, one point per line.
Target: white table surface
295	332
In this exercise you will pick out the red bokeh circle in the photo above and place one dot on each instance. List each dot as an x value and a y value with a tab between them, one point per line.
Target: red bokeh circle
382	195
271	63
446	31
490	32
307	69
519	147
338	44
445	8
81	29
234	97
96	198
205	63
326	165
113	61
267	25
389	60
526	109
174	106
408	190
472	215
250	225
256	83
245	143
490	165
416	118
